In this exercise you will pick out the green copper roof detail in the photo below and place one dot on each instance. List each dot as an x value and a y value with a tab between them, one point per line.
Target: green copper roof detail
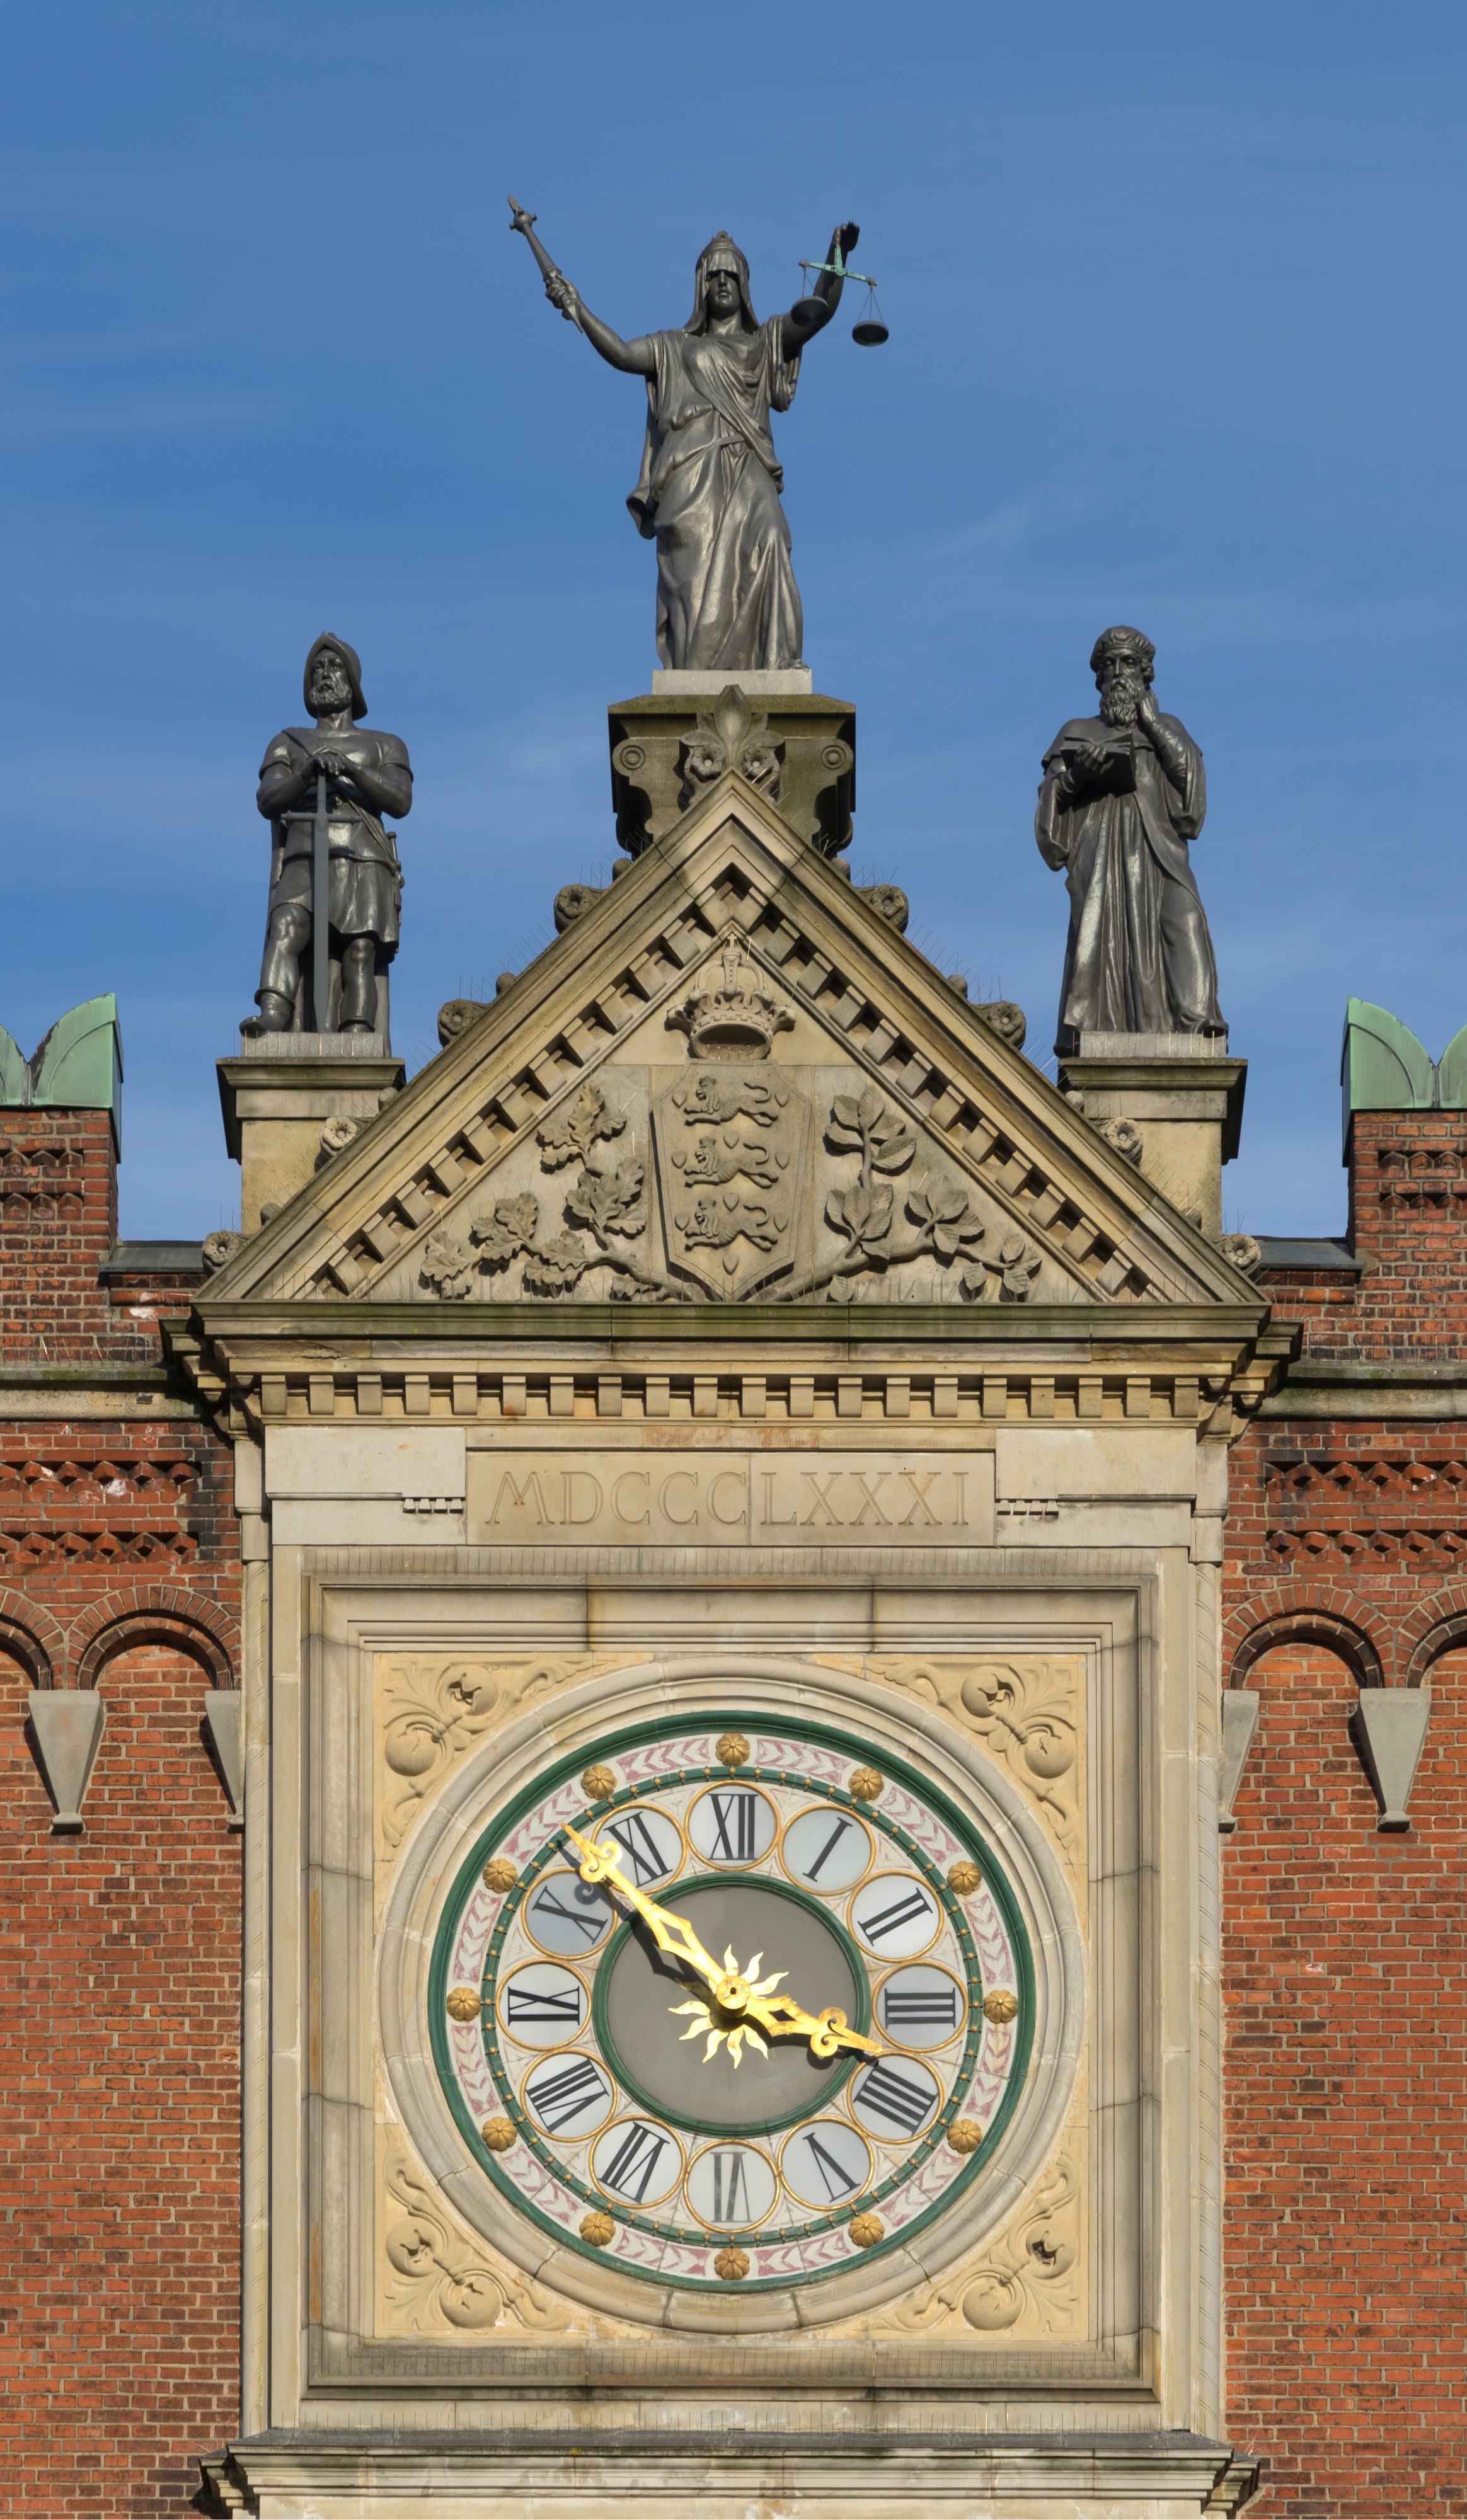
79	1066
1383	1067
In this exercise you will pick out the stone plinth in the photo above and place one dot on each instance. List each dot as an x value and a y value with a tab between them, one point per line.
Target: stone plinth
1182	1096
798	745
760	682
278	1094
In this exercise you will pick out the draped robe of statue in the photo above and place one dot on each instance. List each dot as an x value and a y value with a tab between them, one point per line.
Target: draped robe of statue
709	495
1139	956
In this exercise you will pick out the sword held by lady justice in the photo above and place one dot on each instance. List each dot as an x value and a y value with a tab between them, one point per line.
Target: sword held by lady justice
524	221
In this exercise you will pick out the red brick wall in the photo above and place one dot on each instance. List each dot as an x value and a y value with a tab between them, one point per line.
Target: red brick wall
119	1987
120	2002
1346	2010
58	1219
1344	1951
1408	1223
1408	1217
100	1512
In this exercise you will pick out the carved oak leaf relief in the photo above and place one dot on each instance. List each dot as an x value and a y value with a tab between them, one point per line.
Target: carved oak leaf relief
456	1258
574	1131
557	1267
611	1202
505	1232
437	2278
1027	2278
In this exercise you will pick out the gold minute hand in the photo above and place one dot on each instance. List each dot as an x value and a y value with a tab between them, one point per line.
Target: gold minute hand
673	1934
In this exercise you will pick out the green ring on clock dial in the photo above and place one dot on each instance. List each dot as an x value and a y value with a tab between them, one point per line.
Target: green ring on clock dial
664	2102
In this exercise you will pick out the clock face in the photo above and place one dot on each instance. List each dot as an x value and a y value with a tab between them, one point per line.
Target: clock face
638	2059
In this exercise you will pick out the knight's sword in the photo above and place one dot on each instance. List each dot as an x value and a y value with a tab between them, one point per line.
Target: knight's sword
320	926
524	221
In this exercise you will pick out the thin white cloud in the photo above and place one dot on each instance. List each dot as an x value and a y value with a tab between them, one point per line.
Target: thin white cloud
136	419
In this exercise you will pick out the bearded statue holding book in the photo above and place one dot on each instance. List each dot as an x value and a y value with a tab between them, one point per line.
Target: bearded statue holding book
1123	793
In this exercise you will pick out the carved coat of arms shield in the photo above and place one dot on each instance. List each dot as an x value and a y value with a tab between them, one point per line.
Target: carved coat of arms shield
732	1153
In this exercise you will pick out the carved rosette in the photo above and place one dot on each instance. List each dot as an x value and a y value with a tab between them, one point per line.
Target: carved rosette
1027	1712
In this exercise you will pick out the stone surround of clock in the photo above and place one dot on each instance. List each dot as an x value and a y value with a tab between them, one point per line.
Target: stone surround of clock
731	1334
825	2170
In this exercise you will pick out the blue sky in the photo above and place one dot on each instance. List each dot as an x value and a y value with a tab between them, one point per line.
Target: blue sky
1175	296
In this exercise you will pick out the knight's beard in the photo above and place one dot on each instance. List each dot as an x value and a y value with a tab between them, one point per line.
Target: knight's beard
330	693
1120	701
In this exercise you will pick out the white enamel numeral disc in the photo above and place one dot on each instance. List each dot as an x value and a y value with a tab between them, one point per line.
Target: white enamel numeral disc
542	2005
826	1849
895	2099
825	2164
568	1915
732	1824
731	2187
894	1916
569	2097
637	2160
921	2006
651	1845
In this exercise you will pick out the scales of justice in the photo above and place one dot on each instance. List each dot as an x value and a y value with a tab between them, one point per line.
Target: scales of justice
709	490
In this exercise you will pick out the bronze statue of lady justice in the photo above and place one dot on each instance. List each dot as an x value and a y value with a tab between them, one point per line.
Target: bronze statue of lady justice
709	491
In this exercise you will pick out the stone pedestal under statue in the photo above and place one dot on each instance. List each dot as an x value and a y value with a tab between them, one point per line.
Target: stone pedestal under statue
1172	1103
796	747
291	1100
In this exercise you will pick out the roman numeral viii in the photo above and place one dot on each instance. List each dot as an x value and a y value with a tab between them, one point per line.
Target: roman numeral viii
570	2093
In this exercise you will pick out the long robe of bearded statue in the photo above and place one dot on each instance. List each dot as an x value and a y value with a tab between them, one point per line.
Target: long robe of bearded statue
1122	795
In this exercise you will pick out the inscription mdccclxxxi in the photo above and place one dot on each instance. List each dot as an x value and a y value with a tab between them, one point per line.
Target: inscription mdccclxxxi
823	1499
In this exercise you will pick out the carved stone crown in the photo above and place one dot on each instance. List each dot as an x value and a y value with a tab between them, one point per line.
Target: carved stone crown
736	1019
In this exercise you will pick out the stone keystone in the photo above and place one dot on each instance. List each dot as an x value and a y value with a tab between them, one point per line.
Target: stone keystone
1388	1728
65	1727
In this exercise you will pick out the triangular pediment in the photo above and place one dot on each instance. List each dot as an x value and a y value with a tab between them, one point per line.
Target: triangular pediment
729	1081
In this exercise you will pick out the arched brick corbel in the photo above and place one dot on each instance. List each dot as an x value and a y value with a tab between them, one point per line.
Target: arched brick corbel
1391	1735
63	1726
32	1639
161	1615
1434	1628
1297	1614
1255	1631
167	1615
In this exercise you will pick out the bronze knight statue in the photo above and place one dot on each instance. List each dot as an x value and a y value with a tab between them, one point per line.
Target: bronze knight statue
357	774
